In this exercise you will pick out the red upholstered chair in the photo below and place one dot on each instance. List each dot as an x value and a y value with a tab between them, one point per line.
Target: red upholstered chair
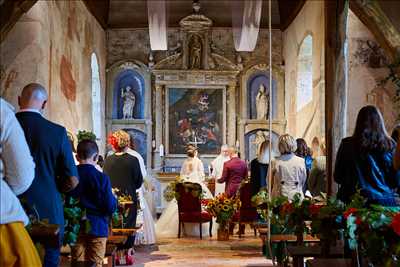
247	214
189	206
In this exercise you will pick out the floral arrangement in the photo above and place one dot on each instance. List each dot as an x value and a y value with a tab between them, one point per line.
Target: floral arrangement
169	192
85	135
375	231
261	201
121	214
223	208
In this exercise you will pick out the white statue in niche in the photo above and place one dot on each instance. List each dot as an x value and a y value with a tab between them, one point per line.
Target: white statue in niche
262	103
129	101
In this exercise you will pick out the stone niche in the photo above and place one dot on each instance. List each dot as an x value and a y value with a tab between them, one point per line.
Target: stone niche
133	114
252	129
194	97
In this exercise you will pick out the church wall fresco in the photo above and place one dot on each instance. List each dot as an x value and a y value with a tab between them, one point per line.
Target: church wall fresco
308	121
52	44
366	69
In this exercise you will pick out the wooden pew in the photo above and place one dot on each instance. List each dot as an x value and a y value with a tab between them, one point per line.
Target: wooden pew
45	234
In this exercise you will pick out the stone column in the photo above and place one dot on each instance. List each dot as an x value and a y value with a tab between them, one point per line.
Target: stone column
159	108
231	114
336	75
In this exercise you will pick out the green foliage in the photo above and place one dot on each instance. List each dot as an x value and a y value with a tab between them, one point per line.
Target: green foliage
74	220
394	77
85	135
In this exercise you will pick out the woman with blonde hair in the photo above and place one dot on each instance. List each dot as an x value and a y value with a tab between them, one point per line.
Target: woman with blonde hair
288	170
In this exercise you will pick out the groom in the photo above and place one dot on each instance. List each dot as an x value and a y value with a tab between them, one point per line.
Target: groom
234	171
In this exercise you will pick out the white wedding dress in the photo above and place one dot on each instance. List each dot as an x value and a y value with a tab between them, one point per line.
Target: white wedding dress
168	224
146	234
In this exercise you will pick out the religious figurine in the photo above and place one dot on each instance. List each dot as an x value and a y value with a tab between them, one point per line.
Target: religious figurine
195	53
262	103
129	101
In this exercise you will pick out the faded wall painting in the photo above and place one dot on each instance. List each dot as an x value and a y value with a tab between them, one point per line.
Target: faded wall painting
128	99
254	139
195	116
140	143
258	97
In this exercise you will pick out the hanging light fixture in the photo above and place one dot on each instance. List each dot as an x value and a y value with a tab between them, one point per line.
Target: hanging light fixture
246	17
270	122
157	17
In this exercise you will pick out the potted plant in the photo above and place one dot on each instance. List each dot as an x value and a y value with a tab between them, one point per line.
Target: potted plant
223	208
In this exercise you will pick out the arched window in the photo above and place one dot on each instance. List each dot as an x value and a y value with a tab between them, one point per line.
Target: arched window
304	73
96	97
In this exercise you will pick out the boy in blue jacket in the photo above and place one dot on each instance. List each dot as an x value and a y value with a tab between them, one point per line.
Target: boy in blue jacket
94	192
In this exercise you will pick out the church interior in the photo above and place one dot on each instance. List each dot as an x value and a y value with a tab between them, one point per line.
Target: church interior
212	75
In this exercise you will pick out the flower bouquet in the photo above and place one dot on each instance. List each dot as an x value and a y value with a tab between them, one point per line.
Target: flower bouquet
223	209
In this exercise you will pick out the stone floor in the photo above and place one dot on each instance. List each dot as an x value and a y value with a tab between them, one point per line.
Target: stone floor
208	252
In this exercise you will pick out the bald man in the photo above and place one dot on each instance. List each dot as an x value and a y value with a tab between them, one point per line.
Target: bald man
55	167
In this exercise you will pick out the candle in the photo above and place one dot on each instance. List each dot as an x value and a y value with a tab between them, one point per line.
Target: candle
161	150
237	143
153	144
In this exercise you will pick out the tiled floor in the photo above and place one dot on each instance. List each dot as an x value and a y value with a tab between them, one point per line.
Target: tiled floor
208	252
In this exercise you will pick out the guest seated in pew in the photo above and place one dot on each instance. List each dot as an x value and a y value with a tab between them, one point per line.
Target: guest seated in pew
365	162
96	197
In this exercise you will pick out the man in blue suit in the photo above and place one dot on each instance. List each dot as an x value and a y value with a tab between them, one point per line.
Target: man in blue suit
55	167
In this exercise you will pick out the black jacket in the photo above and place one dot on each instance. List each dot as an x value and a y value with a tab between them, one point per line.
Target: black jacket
373	173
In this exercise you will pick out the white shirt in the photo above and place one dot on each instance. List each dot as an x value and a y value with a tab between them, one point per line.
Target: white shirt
17	168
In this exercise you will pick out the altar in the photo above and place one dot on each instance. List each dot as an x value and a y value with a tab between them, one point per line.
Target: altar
195	93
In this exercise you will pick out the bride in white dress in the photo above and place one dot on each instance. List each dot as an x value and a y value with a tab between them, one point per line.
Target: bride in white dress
167	226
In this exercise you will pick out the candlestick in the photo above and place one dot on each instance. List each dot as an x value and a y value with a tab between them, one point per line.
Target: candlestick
237	143
161	150
153	144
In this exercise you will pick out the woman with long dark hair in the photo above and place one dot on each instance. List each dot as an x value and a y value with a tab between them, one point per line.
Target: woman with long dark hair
365	162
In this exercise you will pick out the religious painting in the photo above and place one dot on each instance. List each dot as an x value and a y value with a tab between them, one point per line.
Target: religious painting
254	139
128	100
258	97
195	116
140	142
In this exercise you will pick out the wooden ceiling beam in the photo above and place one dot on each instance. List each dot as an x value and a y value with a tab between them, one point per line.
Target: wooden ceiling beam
288	11
100	10
10	12
371	14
